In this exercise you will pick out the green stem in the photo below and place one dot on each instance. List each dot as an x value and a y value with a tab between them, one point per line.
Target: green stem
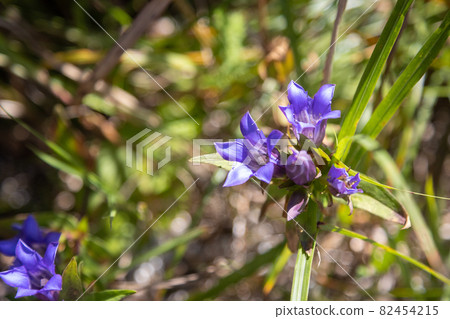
302	275
307	222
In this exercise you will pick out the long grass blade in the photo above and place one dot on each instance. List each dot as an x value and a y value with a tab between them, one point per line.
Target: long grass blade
276	269
409	77
388	249
423	232
373	70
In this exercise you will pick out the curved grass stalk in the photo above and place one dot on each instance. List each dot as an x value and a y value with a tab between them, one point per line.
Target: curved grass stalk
388	249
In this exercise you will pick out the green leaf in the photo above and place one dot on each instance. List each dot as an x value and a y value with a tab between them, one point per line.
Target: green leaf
166	246
380	202
302	271
72	288
388	249
52	145
276	269
246	271
57	163
420	227
375	207
214	159
108	295
302	275
409	77
373	70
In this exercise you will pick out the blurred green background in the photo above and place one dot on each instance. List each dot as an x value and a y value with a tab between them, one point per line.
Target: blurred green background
217	60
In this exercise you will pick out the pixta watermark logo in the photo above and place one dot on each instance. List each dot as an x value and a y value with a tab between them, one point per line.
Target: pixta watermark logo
141	150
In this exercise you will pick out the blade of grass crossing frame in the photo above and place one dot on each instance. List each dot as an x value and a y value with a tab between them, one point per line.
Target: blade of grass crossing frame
276	269
388	249
433	210
420	227
373	70
409	77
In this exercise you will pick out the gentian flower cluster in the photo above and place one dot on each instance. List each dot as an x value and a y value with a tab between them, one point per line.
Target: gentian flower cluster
261	157
31	273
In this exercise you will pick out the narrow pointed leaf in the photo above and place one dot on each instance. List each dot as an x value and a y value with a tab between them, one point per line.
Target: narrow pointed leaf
388	249
409	77
373	70
109	295
276	270
420	227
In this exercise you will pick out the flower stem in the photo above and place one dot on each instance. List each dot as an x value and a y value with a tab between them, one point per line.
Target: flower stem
307	221
302	275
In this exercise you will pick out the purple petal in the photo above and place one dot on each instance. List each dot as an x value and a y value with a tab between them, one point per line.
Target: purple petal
319	131
55	283
24	292
331	115
30	230
232	151
287	111
50	254
52	237
26	255
322	100
250	130
297	203
238	175
354	180
265	172
298	97
272	140
8	246
16	277
336	172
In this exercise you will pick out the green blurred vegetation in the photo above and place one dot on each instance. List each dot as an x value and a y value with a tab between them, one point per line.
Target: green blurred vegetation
216	60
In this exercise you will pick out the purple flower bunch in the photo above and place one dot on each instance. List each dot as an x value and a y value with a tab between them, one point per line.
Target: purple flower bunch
262	157
31	273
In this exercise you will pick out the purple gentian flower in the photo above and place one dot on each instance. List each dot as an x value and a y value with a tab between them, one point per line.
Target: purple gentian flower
296	204
255	155
341	184
300	168
31	234
308	116
34	275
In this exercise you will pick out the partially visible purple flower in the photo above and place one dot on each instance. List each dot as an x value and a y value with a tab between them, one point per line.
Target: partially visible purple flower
31	234
255	155
300	168
34	275
342	184
296	204
308	116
